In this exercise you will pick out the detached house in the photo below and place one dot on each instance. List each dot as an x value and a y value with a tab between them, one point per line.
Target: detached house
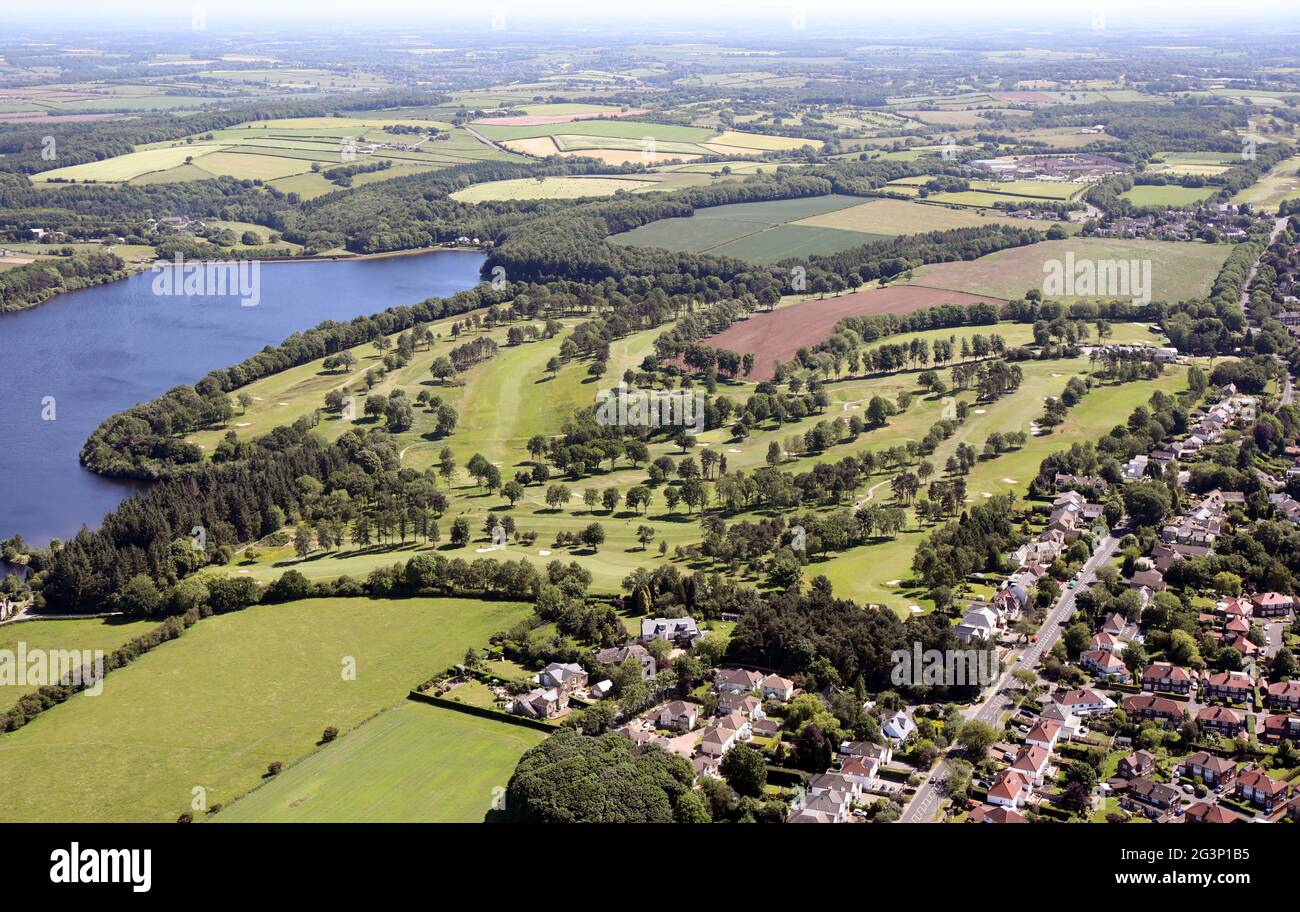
775	687
1105	665
1044	734
1202	812
679	716
1031	762
568	678
1136	765
1010	789
1084	702
542	703
617	655
736	680
1278	727
678	631
1155	797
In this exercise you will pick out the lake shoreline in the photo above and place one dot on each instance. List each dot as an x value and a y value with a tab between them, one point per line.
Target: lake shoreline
133	269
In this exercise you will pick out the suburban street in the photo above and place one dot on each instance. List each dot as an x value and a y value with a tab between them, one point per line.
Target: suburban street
925	803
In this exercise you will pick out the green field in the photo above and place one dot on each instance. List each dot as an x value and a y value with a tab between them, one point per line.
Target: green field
107	634
1179	271
235	693
756	232
1282	182
414	763
1168	195
285	151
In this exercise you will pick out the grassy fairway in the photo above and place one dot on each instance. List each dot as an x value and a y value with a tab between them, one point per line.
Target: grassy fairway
412	763
76	633
235	693
871	573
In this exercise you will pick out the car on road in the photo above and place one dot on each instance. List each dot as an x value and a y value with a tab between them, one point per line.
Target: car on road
1072	583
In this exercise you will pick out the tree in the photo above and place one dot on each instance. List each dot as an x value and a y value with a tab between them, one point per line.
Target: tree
745	770
1147	501
574	778
512	491
976	738
644	535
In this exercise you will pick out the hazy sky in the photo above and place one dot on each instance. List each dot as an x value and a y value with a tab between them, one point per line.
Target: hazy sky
745	15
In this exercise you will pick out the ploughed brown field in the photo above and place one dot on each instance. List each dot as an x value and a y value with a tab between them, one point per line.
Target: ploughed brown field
778	335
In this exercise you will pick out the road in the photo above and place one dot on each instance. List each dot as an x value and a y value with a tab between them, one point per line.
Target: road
1279	224
925	803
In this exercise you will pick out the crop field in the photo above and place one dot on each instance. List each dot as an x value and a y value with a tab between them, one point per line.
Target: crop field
777	335
622	140
551	188
1179	271
756	232
415	763
1168	195
236	692
895	217
291	150
1282	182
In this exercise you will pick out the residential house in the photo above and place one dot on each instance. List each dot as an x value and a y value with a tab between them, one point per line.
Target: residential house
736	680
1084	702
1283	695
680	631
862	770
1203	812
1009	789
1216	772
868	750
1044	734
1105	665
748	705
1154	797
724	734
1105	642
1167	678
1069	722
1232	686
617	655
1115	625
568	678
986	814
1151	580
1278	727
679	715
775	687
897	727
1141	707
978	624
1272	604
1221	720
541	703
1136	765
1257	787
1031	762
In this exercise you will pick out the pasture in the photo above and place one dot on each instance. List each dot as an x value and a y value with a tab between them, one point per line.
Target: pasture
105	634
233	694
414	763
1167	195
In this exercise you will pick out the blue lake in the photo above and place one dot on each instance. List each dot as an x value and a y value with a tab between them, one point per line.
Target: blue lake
85	355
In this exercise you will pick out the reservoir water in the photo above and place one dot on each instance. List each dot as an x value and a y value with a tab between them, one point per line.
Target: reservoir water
71	362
